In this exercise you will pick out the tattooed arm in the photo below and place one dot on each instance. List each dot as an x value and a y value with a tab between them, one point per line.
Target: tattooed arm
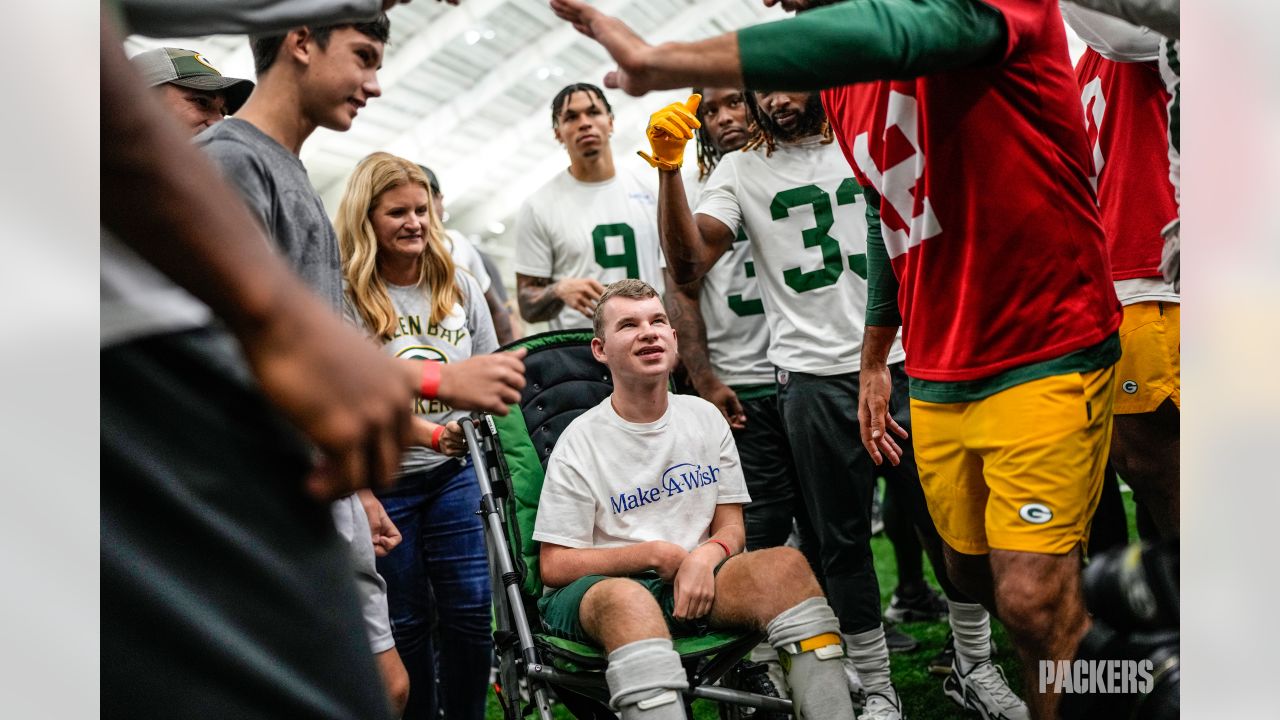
540	299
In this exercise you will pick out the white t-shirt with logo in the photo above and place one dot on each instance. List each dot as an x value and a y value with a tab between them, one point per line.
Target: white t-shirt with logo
805	217
732	312
613	483
606	230
467	331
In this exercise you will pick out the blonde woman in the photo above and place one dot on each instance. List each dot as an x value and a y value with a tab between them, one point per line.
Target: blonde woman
404	289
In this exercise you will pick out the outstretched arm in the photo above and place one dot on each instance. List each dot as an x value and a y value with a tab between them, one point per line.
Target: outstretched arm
832	46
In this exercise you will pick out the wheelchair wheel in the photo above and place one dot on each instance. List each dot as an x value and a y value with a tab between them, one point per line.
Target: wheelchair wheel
753	678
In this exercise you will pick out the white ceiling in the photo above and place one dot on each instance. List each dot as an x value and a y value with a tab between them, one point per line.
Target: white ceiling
467	91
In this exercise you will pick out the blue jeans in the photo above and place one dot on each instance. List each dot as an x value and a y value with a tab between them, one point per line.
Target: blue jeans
441	555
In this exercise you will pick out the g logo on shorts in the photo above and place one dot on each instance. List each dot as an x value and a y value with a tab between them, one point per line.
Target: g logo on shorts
1129	386
1035	513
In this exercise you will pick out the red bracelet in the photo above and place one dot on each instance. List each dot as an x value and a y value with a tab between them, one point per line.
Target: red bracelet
430	386
727	552
435	437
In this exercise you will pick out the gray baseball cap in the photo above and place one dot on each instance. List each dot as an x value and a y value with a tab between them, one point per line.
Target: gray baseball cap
190	69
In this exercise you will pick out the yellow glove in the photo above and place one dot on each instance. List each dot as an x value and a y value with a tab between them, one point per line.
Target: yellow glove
669	129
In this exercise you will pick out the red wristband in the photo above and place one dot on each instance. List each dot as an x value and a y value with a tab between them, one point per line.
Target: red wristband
435	437
727	552
430	387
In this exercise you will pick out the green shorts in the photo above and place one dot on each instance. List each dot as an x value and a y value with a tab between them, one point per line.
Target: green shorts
559	607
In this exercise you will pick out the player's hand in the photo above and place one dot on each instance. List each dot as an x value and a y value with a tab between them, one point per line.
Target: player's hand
665	558
695	584
581	294
627	49
385	534
874	421
485	382
725	400
669	130
340	390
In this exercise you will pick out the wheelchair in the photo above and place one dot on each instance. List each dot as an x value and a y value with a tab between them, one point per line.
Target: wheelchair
510	455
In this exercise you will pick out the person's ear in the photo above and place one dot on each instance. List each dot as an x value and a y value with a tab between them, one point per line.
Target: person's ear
297	45
597	350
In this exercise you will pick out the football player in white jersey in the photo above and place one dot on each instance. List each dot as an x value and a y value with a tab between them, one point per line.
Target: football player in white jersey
724	339
792	194
593	224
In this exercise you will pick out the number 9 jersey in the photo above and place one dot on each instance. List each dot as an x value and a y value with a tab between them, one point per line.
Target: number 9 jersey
605	230
806	220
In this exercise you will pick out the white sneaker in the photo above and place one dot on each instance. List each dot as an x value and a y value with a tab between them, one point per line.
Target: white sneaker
880	706
985	690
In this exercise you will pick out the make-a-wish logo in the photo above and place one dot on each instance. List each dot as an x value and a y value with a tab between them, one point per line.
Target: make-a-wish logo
677	479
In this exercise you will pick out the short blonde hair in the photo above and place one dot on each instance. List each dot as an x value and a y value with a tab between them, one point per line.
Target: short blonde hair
630	289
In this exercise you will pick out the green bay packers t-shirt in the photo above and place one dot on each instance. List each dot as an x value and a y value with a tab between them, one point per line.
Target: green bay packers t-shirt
606	230
613	483
805	219
465	332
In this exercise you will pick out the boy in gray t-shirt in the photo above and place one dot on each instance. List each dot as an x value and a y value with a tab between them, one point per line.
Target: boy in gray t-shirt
258	153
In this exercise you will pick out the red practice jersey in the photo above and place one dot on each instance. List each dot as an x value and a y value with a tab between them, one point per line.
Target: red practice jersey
1127	122
986	208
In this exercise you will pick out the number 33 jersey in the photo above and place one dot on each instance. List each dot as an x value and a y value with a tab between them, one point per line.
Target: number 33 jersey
986	208
606	230
805	218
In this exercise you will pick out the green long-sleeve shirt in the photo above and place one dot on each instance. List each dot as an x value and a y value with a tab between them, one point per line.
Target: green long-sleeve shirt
865	40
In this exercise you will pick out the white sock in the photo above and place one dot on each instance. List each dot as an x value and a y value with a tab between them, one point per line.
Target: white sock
818	685
870	657
645	678
971	626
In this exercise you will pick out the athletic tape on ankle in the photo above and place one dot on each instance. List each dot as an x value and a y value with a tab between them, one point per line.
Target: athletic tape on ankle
638	669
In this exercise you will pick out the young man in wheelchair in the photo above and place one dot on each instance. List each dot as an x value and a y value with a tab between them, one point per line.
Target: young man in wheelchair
641	532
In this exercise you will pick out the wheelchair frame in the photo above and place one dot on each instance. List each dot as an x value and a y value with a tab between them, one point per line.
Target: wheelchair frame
519	658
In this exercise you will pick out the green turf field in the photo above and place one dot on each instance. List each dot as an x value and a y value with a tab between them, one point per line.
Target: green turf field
920	691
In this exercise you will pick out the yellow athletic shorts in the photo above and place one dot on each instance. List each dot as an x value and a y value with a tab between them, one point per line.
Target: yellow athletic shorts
1150	367
1021	469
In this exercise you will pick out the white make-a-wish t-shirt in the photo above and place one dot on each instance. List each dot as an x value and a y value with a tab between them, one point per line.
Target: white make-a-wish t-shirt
612	483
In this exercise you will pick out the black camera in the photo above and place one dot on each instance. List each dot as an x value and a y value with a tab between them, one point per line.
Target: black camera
1132	593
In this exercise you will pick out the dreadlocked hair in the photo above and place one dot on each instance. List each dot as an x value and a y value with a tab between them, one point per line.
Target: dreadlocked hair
765	125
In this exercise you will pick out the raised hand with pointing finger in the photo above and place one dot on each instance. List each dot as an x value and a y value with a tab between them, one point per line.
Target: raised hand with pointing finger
669	130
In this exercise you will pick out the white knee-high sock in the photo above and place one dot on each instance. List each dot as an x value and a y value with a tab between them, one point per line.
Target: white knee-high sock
818	686
870	656
645	678
971	626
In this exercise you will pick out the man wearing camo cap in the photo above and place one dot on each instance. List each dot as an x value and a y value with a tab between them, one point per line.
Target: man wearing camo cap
191	87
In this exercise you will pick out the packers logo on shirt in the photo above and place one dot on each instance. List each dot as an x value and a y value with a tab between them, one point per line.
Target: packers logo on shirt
422	352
